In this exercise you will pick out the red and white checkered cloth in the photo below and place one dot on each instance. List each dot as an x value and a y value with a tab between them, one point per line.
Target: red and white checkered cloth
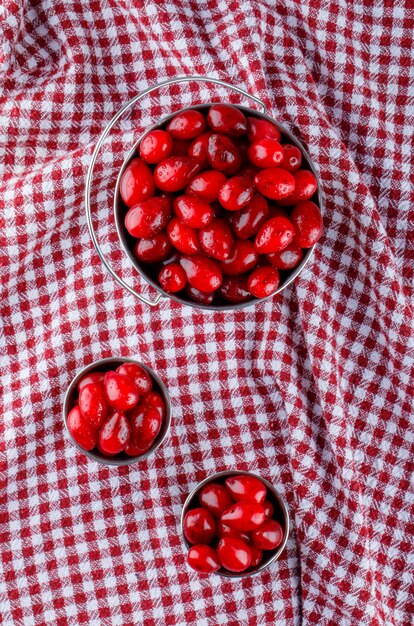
313	389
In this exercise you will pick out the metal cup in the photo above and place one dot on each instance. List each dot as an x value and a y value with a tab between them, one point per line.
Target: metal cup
119	209
105	365
281	514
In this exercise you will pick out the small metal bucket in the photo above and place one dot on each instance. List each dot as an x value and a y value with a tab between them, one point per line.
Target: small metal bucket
105	365
281	514
119	210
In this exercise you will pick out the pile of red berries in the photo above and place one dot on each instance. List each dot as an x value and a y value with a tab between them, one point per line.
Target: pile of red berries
233	528
219	206
117	411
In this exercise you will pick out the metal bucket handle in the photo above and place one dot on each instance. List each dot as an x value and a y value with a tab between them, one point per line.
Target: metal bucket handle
89	176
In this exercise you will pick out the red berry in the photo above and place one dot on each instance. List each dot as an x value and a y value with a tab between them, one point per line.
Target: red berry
198	148
133	449
292	158
180	147
202	273
269	536
216	239
243	257
137	184
226	119
215	498
263	281
183	237
155	146
248	170
257	555
223	155
146	423
81	430
266	153
193	211
206	185
199	526
186	125
199	296
154	249
286	259
172	278
246	488
114	434
236	193
148	218
222	530
305	187
307	221
269	509
261	129
203	559
92	377
93	404
274	235
234	289
175	172
244	516
247	222
121	392
139	375
275	183
154	399
234	554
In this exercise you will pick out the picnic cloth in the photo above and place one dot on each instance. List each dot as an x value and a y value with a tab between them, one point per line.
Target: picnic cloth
313	390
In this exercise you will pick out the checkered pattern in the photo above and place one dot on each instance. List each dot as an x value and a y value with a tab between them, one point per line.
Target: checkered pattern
313	390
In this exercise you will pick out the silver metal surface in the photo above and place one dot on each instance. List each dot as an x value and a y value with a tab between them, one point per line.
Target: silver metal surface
279	506
89	176
111	364
119	214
